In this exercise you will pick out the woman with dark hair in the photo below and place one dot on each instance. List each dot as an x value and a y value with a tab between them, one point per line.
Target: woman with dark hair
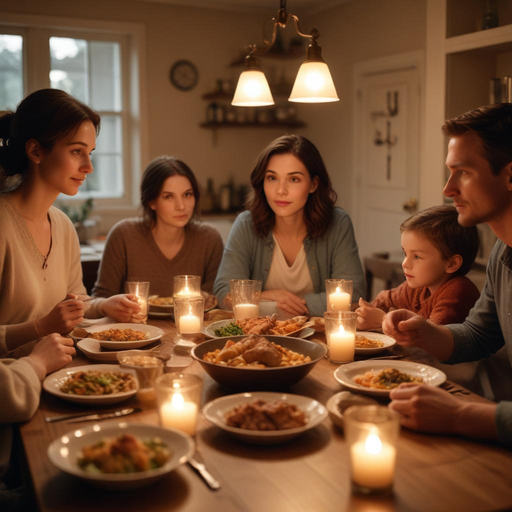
168	241
45	149
292	237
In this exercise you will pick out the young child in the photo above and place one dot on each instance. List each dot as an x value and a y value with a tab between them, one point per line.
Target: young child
438	253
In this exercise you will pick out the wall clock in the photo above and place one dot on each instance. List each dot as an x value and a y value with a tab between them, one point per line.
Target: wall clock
184	75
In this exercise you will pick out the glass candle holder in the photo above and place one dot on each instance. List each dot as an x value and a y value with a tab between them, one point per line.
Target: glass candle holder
245	297
372	432
338	294
141	290
187	286
179	400
188	315
340	331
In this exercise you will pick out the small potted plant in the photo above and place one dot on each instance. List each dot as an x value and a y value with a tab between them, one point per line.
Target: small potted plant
80	218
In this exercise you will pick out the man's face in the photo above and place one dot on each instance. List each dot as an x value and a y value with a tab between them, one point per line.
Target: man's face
479	195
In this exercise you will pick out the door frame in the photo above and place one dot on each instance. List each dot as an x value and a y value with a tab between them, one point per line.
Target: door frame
389	64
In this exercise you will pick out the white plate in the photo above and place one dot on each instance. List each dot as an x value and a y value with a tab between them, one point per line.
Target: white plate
216	410
306	332
54	381
92	350
387	340
345	374
155	333
63	452
348	399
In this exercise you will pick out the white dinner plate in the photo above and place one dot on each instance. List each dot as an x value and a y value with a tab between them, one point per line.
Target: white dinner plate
215	412
64	452
93	351
54	381
387	340
305	332
346	374
155	333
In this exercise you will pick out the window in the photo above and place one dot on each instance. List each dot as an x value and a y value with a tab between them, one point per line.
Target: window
100	68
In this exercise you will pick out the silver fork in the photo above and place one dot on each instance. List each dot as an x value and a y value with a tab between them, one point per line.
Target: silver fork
197	463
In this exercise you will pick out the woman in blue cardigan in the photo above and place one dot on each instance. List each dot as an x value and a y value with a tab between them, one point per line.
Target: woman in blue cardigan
291	237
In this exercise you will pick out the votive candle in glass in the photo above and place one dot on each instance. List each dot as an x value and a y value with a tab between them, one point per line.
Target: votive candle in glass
141	290
372	432
179	400
188	314
245	297
340	331
338	294
187	286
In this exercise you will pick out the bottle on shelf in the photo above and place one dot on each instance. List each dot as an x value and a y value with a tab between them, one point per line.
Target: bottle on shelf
208	199
491	18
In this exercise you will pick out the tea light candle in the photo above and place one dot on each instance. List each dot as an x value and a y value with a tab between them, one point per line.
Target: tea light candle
179	414
339	301
186	292
373	463
342	345
189	324
243	311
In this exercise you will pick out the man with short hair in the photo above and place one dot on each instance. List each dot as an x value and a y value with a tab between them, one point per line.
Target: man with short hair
480	184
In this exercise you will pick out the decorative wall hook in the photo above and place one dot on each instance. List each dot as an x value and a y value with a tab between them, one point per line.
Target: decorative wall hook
392	109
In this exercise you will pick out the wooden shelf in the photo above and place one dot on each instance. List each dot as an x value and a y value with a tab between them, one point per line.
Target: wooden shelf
490	38
291	124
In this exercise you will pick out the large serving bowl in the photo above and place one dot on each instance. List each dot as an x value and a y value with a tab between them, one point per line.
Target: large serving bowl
249	379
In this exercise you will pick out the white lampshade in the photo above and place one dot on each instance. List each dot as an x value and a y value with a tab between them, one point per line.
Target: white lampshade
313	84
252	90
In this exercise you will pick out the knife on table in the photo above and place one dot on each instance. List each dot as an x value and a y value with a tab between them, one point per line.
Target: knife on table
75	418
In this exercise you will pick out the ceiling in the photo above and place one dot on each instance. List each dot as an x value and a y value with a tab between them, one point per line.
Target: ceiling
304	7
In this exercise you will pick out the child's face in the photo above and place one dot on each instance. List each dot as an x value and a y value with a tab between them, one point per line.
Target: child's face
423	263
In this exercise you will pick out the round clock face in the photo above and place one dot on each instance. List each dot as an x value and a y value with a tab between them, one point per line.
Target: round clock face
184	75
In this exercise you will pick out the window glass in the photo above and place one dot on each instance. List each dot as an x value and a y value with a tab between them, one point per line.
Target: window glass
11	71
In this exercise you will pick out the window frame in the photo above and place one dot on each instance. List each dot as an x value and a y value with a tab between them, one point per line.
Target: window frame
36	68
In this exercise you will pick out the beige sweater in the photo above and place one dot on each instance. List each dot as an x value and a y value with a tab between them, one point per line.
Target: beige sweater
29	287
131	254
21	388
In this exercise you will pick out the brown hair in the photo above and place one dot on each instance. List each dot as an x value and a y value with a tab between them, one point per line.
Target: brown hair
153	179
493	127
319	206
440	225
47	115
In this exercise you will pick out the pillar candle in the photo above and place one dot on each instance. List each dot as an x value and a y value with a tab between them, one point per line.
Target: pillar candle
246	311
339	301
177	413
189	324
341	345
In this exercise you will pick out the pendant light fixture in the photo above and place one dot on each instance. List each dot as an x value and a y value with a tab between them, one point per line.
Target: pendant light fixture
313	84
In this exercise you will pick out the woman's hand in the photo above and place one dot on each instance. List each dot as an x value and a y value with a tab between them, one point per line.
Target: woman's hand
121	307
52	352
287	301
369	317
63	318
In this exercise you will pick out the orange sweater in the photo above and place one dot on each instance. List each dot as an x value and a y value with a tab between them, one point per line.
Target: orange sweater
450	304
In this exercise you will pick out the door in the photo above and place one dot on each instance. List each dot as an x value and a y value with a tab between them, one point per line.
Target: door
388	155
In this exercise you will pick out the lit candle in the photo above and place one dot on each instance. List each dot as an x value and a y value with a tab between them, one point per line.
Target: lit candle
342	345
179	414
189	324
339	301
243	311
373	463
186	292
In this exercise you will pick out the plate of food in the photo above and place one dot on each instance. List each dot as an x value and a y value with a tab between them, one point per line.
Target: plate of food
263	417
258	362
124	336
164	306
372	342
380	377
144	453
340	402
94	384
260	325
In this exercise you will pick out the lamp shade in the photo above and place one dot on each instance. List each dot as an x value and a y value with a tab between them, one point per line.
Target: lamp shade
313	84
252	90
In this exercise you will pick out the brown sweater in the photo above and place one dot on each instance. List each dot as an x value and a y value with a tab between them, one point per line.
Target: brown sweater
131	254
450	304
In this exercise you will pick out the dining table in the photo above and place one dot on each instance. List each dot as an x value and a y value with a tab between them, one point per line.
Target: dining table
309	473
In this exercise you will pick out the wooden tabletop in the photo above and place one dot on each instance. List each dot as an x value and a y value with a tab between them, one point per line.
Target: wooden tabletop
310	473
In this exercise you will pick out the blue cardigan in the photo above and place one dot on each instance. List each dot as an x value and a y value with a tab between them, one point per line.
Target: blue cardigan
334	255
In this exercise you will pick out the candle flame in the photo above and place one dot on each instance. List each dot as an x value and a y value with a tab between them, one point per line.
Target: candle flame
342	329
338	289
186	289
178	402
373	444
